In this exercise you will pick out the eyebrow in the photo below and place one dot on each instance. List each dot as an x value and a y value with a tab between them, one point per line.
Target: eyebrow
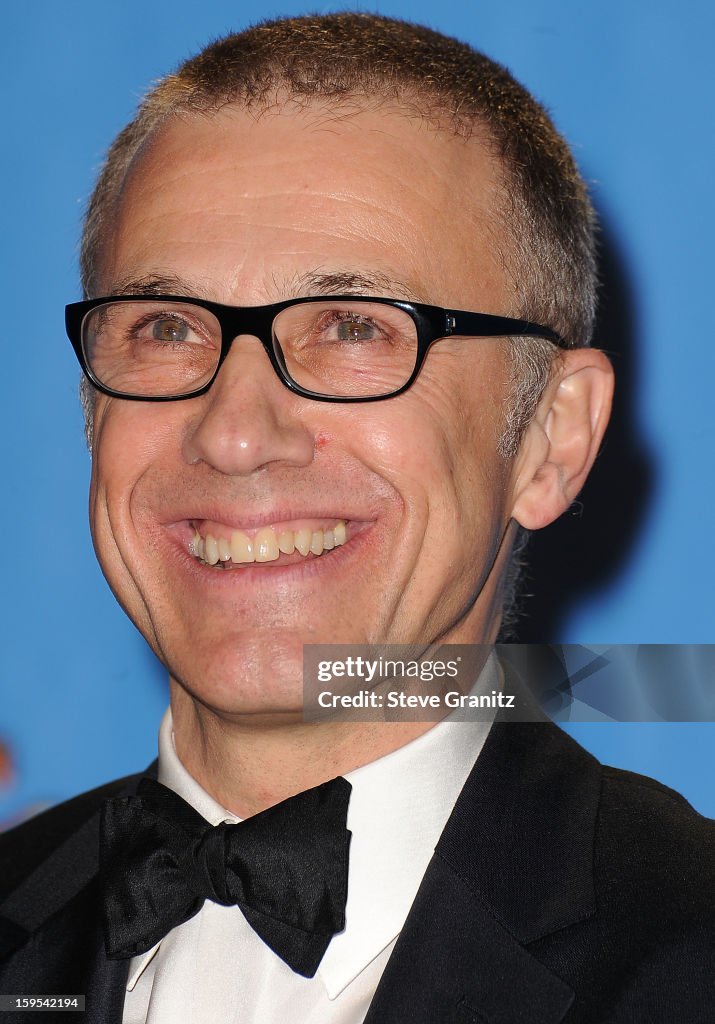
353	282
315	282
157	284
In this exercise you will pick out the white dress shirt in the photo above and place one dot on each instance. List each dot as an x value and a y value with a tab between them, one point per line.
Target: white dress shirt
214	969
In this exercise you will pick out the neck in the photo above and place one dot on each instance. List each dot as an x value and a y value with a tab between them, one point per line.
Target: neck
248	767
248	763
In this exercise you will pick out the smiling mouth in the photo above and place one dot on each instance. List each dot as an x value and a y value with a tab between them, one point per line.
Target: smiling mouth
278	544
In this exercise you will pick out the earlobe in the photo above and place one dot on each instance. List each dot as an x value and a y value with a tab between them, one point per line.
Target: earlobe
562	441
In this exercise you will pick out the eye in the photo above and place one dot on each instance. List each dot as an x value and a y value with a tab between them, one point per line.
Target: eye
353	329
167	328
170	330
350	326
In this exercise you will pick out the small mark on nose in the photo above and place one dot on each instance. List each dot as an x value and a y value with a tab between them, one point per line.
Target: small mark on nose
320	442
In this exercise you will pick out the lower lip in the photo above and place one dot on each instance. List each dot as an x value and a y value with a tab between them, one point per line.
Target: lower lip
254	574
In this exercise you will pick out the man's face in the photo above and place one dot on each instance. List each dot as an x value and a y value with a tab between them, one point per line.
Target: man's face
248	211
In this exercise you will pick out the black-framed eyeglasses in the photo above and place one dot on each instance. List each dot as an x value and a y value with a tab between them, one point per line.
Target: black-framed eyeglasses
336	348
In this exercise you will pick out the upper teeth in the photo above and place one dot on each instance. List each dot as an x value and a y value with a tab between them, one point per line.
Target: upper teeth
266	545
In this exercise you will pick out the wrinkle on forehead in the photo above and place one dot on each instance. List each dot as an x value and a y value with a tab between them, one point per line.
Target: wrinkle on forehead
444	211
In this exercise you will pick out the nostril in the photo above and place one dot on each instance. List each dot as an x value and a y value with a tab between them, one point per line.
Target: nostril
247	422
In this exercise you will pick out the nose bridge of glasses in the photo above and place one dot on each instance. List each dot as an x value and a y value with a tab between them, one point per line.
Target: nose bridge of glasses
255	322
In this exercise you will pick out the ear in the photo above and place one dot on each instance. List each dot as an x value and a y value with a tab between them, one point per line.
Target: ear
563	439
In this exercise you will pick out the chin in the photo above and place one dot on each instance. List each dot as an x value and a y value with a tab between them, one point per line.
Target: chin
245	675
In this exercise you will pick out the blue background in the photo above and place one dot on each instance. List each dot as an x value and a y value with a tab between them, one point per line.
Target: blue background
629	83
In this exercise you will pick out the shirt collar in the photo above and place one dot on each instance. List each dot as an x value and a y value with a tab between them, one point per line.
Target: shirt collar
398	807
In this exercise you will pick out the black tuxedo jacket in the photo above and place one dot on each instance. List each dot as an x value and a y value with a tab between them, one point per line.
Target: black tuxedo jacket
560	890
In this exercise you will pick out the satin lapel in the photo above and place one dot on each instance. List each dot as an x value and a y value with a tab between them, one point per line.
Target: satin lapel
51	937
454	964
65	956
513	864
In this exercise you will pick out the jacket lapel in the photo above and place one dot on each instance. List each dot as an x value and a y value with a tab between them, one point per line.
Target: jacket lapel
513	864
454	964
51	938
65	956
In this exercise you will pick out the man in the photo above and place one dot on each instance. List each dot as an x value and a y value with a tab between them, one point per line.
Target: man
304	430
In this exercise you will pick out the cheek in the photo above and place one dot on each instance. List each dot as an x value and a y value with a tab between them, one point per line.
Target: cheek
436	447
455	436
110	485
128	436
129	439
104	458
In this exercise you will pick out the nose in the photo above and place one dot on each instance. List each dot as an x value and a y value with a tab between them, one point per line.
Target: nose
248	420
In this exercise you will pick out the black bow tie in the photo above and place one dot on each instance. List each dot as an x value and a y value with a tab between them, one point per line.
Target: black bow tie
286	868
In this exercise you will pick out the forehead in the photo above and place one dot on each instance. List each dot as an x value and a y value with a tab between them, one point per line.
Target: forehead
244	206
